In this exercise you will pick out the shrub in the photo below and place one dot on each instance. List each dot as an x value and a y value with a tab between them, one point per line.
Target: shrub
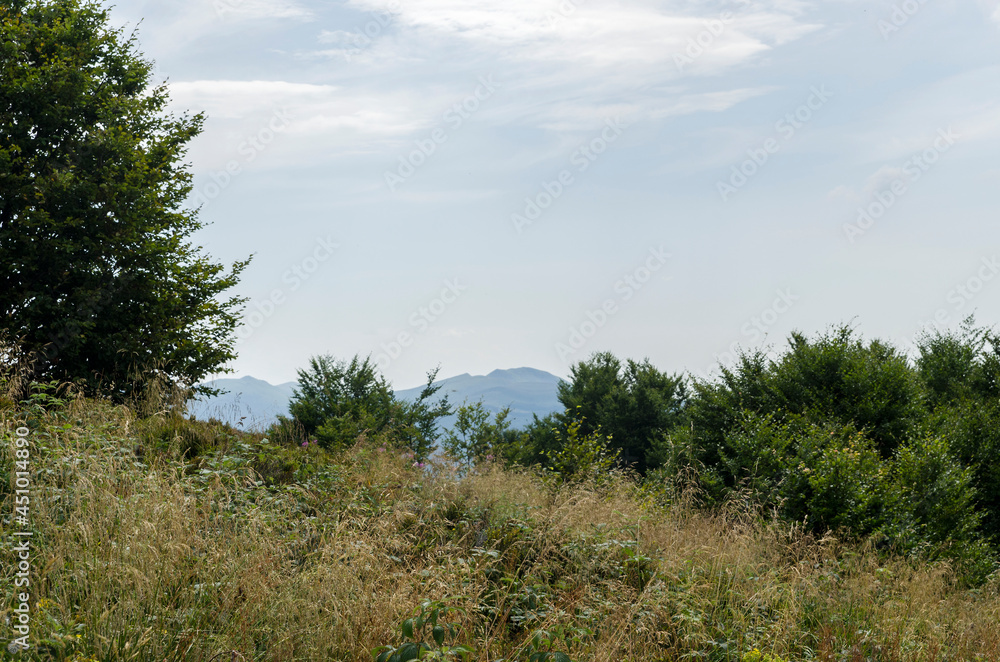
579	456
474	436
338	401
632	404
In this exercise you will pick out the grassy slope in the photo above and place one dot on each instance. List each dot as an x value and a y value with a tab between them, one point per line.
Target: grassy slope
265	553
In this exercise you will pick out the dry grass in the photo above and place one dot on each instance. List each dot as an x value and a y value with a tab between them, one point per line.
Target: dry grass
168	558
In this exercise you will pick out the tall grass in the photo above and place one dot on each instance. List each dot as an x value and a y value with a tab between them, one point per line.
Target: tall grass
149	547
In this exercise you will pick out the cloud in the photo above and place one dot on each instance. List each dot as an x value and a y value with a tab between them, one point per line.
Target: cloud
579	62
259	9
238	99
587	35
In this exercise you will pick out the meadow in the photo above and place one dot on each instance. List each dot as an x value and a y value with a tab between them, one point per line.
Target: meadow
156	538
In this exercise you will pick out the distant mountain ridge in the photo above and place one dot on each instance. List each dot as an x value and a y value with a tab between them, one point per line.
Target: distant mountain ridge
251	403
526	391
255	404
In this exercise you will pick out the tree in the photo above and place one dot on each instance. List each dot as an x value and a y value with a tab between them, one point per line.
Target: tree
961	374
475	435
100	284
632	404
338	401
834	379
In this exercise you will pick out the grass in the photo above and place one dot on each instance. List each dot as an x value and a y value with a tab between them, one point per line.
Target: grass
163	539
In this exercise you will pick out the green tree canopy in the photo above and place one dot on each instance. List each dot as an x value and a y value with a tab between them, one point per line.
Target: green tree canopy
100	283
338	401
835	378
633	404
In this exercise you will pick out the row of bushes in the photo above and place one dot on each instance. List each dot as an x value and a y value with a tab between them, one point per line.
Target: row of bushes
835	432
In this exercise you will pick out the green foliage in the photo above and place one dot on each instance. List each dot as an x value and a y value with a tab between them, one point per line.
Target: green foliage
541	646
972	430
173	434
633	404
756	656
937	509
959	366
838	378
337	402
826	474
100	285
961	373
474	437
425	635
835	379
580	456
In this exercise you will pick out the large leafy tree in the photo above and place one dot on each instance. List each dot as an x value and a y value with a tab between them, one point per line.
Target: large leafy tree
99	282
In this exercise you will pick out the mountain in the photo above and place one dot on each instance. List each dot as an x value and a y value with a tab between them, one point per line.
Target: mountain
256	401
525	390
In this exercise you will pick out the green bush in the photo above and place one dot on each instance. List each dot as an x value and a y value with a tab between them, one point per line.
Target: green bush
188	438
475	437
632	404
580	456
338	401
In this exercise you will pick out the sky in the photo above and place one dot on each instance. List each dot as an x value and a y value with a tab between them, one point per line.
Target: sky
488	184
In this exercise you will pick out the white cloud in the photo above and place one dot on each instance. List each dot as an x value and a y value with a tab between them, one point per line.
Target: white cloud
630	33
238	99
259	9
579	67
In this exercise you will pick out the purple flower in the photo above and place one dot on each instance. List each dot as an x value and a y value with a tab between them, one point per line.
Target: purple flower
305	444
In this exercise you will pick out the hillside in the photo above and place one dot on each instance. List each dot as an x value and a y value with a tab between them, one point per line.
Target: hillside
160	539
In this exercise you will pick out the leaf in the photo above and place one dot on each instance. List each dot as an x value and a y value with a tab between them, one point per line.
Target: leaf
408	628
411	651
438	634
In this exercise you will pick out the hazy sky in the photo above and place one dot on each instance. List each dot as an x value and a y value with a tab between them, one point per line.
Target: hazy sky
489	184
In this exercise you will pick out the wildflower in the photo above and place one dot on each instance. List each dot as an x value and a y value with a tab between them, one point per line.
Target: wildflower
489	457
305	444
381	449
